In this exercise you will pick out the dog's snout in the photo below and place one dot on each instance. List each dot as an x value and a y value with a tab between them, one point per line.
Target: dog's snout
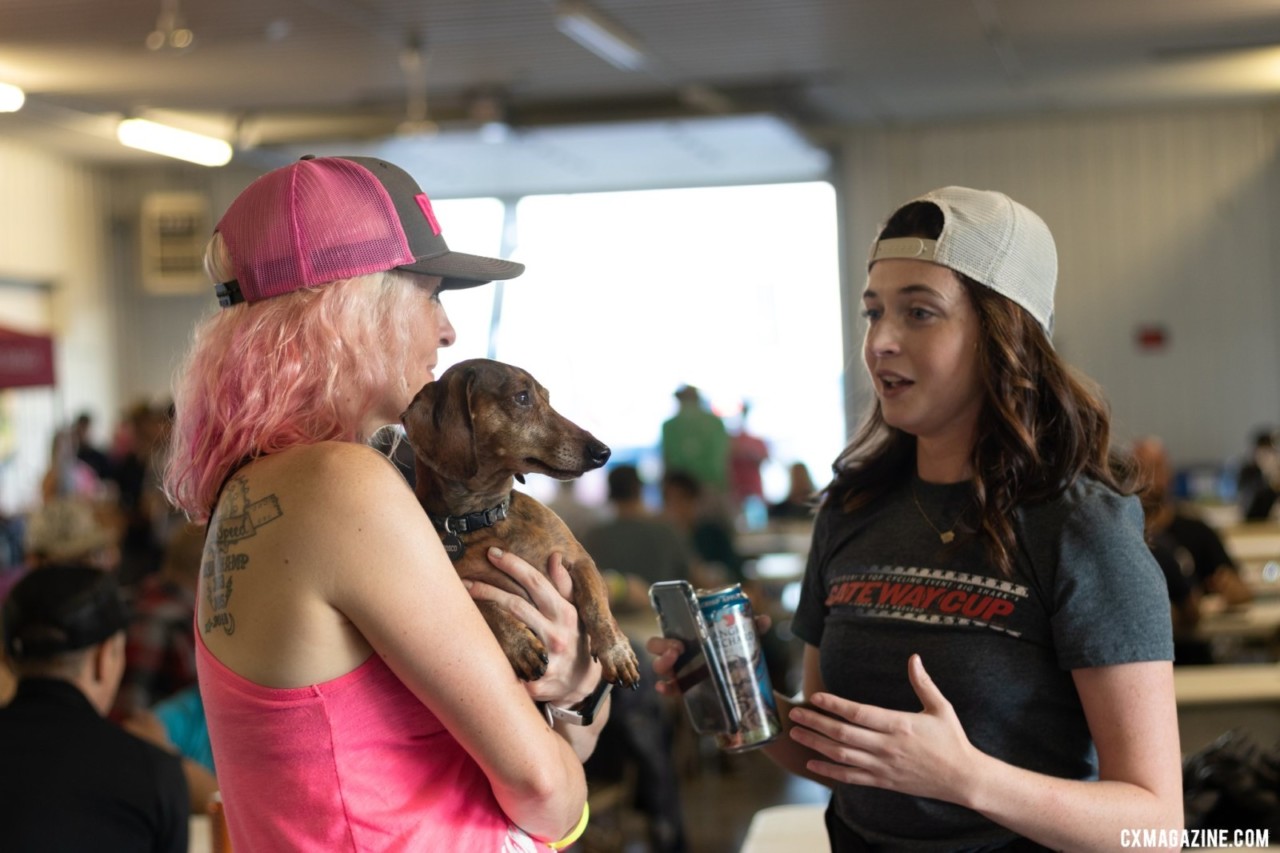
598	454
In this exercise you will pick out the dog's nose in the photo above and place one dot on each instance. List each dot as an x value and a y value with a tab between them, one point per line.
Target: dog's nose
598	453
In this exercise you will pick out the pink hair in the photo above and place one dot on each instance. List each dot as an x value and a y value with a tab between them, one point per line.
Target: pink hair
292	370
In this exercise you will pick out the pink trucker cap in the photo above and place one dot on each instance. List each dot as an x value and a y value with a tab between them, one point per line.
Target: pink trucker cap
328	218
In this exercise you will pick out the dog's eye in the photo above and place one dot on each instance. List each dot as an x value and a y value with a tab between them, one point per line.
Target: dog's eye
522	398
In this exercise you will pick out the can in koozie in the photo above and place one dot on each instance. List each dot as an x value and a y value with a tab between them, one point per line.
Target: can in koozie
731	624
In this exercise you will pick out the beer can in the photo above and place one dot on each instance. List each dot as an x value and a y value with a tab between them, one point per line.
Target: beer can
731	625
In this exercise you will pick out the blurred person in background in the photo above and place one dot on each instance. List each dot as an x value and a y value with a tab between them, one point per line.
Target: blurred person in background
71	779
1195	545
1184	596
639	738
1184	610
67	475
635	547
747	452
88	452
182	716
177	725
1258	481
695	441
719	564
160	655
577	515
73	529
708	536
800	503
147	512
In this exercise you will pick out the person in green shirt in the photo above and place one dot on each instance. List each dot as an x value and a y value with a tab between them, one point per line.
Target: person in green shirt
695	441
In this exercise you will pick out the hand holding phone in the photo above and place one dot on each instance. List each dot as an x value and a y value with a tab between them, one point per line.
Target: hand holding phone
698	671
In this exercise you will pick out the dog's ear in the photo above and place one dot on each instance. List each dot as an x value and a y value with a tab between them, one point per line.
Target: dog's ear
455	428
446	439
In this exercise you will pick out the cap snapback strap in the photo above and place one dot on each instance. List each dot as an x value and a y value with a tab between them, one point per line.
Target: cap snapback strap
904	247
228	293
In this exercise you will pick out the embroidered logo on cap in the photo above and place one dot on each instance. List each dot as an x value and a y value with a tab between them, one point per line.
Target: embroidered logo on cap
425	204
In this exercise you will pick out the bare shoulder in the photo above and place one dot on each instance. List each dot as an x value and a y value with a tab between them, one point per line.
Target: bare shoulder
356	483
336	475
322	494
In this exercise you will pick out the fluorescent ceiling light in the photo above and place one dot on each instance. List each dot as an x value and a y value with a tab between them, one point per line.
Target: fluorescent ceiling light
11	98
172	142
599	35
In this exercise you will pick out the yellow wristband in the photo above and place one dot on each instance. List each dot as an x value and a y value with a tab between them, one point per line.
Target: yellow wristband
575	833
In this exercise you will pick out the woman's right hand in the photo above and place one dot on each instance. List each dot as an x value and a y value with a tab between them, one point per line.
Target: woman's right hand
666	651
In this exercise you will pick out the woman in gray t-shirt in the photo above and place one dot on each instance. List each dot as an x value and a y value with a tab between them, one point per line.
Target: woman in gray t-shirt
979	525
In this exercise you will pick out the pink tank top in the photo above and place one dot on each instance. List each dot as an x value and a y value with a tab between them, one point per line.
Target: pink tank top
353	764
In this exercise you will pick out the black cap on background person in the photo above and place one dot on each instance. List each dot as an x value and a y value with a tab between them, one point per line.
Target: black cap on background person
56	613
61	608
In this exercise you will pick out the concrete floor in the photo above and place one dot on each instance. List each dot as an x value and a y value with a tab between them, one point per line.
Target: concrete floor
720	802
720	794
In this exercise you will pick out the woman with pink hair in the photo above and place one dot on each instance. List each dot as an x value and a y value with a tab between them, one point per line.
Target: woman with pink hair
356	699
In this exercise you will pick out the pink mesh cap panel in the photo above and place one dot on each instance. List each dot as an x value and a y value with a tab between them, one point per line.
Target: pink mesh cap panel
311	223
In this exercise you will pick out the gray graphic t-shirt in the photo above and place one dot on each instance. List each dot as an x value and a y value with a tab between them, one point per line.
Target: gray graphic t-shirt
881	586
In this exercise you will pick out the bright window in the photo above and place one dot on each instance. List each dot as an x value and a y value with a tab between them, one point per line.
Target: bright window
471	225
629	295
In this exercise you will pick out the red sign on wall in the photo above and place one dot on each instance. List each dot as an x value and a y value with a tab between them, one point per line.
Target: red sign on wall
1151	337
25	360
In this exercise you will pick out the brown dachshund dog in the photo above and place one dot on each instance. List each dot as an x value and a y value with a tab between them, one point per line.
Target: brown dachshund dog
474	430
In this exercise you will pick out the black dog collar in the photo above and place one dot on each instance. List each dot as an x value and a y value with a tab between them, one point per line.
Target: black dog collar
451	525
474	520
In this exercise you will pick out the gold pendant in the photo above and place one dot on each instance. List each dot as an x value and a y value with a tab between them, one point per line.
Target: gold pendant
947	536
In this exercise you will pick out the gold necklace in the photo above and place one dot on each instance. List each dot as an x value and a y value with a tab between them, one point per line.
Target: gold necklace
948	535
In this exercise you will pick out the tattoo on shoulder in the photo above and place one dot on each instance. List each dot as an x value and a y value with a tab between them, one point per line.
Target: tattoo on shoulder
236	519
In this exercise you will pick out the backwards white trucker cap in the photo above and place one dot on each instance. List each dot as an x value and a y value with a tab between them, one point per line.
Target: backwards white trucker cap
993	240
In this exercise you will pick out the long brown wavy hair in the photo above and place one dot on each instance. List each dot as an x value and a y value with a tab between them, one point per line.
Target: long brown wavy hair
1043	424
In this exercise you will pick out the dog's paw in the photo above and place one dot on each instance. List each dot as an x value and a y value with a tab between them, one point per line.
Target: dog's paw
528	657
619	666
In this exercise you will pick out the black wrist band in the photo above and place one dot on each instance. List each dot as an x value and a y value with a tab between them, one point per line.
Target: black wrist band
582	714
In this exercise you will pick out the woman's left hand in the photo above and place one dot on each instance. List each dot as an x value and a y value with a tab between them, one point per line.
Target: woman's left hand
571	671
923	754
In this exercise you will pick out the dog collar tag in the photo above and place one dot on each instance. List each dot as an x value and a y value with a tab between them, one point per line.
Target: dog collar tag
452	546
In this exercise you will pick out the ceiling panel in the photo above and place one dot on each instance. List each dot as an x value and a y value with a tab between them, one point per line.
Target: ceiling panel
283	73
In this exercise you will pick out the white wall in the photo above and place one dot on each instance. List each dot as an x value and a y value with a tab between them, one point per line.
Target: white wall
51	233
154	330
1164	218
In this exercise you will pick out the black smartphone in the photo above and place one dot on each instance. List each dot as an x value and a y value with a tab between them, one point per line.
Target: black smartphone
698	671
